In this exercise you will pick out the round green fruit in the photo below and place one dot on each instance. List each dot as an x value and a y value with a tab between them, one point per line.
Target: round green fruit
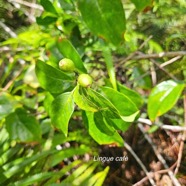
85	80
67	65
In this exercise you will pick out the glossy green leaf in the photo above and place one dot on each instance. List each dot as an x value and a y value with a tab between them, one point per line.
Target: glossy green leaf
48	6
132	95
141	4
61	111
82	100
7	104
103	103
97	135
102	17
52	79
23	127
68	51
163	97
127	109
102	124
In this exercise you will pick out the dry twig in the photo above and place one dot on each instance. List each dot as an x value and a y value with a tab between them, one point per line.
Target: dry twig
182	139
165	127
159	156
127	146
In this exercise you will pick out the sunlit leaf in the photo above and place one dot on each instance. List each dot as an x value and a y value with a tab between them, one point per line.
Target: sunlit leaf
127	109
68	51
61	111
163	97
102	17
97	135
52	79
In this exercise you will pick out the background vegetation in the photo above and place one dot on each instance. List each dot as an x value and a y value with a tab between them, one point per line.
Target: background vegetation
52	128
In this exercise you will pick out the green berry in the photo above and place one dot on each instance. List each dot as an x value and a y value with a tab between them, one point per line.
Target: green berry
85	80
67	65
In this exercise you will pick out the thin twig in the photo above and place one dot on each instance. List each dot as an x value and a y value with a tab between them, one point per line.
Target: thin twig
161	68
140	163
25	3
165	127
160	55
133	53
182	139
170	61
7	29
159	156
13	79
139	183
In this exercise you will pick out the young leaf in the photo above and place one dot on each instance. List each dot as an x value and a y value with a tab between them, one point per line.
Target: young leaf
82	100
23	127
102	21
52	79
127	109
61	111
68	51
163	97
97	135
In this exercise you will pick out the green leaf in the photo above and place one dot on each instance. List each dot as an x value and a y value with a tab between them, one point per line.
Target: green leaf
52	79
102	103
102	124
97	135
127	109
23	127
67	153
118	124
18	165
46	19
48	6
163	97
61	111
141	4
82	100
132	95
102	17
68	51
7	104
98	178
81	175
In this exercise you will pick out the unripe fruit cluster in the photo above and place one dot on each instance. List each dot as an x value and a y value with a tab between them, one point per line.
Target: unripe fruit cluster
67	65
